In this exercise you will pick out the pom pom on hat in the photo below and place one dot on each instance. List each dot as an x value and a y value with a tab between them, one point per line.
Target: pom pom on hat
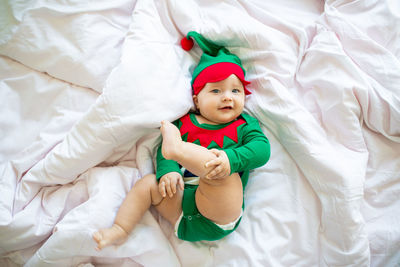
187	43
216	63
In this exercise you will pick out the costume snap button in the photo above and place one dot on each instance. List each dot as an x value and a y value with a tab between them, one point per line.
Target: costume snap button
198	215
189	217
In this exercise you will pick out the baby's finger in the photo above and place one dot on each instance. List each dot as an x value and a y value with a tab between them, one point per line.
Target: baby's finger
169	189
224	173
173	186
219	175
213	162
181	183
219	172
161	189
215	151
212	174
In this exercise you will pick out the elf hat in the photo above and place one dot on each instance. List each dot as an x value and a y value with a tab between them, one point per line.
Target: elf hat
216	63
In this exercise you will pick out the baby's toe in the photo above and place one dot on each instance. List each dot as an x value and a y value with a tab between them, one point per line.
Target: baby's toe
97	236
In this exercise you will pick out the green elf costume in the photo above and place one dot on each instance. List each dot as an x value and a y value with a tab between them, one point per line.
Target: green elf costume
242	139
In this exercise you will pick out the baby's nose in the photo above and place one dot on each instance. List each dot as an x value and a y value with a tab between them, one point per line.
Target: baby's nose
227	96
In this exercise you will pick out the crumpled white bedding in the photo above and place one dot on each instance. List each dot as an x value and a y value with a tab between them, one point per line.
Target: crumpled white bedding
84	86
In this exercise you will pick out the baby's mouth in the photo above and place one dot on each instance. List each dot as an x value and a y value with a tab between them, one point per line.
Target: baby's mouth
226	108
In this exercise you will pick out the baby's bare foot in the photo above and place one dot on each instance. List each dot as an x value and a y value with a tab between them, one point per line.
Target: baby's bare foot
171	140
114	235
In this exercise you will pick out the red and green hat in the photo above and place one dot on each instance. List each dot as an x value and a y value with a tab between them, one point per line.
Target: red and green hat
216	63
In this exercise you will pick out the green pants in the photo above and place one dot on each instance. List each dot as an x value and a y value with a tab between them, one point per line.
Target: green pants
195	227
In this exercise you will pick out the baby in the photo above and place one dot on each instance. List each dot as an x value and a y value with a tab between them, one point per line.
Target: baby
204	159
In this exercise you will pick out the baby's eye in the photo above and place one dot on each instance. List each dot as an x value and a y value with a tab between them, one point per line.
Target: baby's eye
215	91
236	91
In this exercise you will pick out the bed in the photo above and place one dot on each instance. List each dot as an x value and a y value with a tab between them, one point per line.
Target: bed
84	86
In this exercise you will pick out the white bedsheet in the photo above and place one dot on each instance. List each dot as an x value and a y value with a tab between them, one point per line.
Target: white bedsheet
83	88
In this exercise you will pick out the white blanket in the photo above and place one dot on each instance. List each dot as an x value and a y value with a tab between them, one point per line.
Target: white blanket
83	88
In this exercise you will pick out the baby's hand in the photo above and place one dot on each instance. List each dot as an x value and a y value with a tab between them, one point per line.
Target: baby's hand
169	183
221	163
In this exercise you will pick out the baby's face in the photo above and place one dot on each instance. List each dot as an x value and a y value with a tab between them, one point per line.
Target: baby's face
221	102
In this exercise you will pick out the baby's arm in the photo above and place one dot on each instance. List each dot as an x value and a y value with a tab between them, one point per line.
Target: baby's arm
254	153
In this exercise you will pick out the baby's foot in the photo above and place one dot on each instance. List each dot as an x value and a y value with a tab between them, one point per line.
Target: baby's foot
171	140
114	235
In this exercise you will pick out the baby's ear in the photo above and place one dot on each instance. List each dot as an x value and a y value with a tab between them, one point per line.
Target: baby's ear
195	101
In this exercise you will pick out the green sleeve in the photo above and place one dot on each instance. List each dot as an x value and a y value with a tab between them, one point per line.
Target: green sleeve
254	152
165	166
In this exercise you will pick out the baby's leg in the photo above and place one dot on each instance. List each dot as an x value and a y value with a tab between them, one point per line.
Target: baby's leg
114	235
220	200
139	199
191	156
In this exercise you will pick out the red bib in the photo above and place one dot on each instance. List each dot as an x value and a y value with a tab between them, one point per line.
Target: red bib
205	136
